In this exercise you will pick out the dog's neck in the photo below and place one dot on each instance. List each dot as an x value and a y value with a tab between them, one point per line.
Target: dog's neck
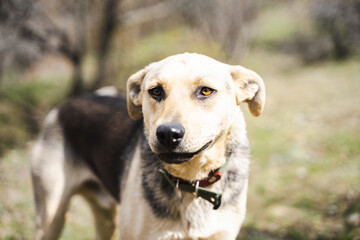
198	187
200	165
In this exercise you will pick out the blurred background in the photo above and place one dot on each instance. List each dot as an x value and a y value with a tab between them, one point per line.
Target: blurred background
305	171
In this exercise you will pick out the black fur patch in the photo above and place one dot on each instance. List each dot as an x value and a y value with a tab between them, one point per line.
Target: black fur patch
233	180
160	195
98	129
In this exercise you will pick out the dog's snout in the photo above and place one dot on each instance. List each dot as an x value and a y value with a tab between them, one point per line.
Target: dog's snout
170	135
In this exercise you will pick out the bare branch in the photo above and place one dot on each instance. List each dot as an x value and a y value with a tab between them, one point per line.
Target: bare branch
146	14
107	30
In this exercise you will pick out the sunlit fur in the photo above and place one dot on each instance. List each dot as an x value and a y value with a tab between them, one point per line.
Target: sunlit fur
204	120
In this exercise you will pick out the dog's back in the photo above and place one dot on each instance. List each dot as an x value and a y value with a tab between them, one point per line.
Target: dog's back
98	130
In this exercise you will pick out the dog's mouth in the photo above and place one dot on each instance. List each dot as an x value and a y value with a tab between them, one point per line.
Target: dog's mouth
177	158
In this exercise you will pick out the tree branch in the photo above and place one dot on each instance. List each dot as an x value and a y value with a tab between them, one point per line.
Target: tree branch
146	14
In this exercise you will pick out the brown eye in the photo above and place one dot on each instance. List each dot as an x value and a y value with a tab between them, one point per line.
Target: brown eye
205	91
157	93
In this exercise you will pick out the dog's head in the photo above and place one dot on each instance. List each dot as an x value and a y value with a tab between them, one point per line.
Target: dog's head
189	102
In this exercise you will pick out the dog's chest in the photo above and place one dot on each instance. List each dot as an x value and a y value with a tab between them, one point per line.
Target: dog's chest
138	220
195	216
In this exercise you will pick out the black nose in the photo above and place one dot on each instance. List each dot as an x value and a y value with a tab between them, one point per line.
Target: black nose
170	135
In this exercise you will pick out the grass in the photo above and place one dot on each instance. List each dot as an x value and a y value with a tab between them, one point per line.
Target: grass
17	220
306	150
16	207
22	107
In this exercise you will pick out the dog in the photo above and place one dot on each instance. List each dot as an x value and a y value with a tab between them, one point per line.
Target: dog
170	161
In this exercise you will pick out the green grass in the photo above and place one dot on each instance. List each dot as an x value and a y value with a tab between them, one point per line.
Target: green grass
306	149
17	220
16	206
22	106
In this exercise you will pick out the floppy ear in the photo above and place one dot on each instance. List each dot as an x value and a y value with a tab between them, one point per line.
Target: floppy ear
249	87
133	94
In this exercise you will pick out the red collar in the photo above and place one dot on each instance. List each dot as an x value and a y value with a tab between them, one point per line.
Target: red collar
212	178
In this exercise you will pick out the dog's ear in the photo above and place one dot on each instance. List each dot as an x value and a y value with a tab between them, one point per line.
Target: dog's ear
249	87
134	95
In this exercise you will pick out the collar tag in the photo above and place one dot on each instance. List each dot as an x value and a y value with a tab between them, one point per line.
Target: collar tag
211	179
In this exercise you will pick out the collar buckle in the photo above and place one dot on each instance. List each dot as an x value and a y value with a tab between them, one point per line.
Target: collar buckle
196	189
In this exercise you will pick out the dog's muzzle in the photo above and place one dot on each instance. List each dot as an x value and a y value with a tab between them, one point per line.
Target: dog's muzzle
170	135
177	158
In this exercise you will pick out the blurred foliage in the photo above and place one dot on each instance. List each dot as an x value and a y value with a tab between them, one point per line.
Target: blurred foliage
312	30
340	22
21	109
17	47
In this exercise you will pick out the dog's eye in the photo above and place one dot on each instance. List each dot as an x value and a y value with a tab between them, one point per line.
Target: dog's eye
157	93
205	91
